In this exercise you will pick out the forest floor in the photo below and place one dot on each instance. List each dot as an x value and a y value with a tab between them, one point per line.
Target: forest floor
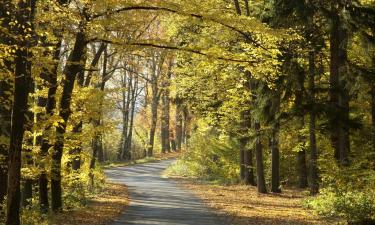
244	206
101	210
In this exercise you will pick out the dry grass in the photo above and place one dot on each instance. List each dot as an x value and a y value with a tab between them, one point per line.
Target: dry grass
101	210
243	205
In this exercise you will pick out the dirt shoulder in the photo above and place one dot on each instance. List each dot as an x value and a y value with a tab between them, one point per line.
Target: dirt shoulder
243	205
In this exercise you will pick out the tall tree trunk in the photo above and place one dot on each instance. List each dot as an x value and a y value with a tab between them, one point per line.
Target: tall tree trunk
157	68
301	154
71	70
125	114
50	104
178	127
75	153
186	127
132	115
314	184
339	96
165	117
154	118
246	154
372	92
98	144
261	183
22	80
275	161
125	150
242	159
249	167
6	99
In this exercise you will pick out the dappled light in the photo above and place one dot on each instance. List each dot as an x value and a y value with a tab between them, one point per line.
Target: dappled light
179	112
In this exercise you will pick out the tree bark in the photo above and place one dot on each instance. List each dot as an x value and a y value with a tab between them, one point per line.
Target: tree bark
126	116
275	155
242	160
71	70
249	167
261	183
154	116
157	67
165	117
50	105
314	184
301	154
372	92
132	115
22	80
6	99
178	127
339	96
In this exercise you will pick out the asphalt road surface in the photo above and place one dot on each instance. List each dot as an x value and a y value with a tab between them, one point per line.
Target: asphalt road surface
158	201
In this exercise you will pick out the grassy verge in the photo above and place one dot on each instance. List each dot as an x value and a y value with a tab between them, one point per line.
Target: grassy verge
157	157
101	210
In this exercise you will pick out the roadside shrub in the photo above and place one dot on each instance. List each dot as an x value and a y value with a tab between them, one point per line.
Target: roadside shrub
209	157
356	207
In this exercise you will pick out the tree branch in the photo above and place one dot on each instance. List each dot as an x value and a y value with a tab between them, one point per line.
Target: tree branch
169	47
246	35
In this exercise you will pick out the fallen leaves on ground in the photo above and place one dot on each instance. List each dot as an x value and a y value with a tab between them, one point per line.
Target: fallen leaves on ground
243	205
101	210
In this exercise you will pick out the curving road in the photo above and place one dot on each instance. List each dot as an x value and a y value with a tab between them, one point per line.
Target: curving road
158	201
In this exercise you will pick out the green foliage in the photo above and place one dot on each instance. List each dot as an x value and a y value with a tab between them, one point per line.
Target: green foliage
209	157
357	207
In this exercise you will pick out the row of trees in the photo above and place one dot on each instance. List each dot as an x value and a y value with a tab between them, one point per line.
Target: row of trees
67	82
311	78
281	74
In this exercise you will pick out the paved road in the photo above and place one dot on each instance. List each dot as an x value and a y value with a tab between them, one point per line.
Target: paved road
158	201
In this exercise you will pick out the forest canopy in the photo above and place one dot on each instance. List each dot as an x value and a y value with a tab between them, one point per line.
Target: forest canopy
266	93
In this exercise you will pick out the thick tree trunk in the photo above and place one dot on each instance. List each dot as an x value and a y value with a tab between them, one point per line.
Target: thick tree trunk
314	184
339	96
22	80
246	154
71	71
275	161
249	167
261	183
5	112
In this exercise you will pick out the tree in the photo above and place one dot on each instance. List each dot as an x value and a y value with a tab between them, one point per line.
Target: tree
25	17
